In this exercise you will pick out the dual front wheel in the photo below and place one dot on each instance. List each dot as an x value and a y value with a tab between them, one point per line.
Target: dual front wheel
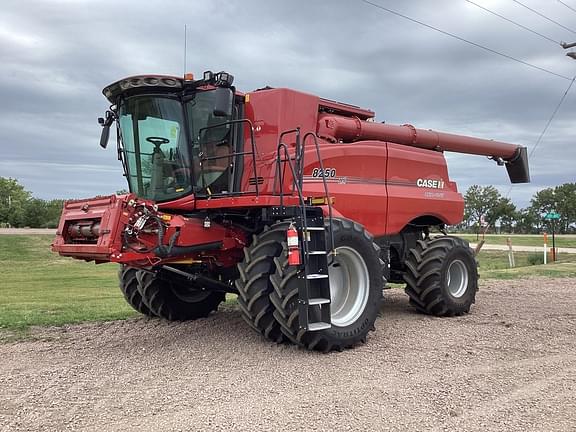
268	288
154	294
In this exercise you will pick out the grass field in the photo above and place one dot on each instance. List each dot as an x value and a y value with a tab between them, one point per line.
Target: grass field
494	265
568	241
38	287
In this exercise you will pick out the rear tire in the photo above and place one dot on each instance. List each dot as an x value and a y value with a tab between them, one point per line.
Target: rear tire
441	276
127	277
176	300
356	283
254	285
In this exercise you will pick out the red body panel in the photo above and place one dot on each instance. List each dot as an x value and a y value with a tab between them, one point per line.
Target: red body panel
273	112
376	184
408	199
361	185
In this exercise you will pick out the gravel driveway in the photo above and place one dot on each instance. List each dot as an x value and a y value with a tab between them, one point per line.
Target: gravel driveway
510	365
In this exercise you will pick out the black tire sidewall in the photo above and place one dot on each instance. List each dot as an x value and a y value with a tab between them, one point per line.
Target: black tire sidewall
161	288
129	285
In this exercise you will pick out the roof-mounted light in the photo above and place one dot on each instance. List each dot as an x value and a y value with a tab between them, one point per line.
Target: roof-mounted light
208	76
223	79
140	81
220	79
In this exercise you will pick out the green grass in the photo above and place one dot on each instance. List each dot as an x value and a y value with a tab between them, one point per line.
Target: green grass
40	288
524	240
557	270
494	265
37	287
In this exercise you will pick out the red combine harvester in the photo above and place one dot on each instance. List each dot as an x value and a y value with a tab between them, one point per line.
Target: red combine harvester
302	206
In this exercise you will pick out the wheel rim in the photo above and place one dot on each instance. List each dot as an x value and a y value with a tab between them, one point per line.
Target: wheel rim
189	295
457	278
349	286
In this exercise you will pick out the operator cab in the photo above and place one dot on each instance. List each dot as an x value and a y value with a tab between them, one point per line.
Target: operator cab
175	137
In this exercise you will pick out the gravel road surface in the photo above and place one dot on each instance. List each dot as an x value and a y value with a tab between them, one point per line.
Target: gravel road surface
510	365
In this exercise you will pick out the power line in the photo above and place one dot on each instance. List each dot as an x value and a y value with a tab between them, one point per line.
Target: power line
509	57
513	22
548	123
568	6
543	16
539	140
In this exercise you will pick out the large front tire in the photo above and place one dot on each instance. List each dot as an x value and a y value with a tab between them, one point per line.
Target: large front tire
254	286
441	276
176	300
356	283
127	277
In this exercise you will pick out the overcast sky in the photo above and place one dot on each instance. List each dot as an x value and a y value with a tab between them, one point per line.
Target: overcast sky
57	55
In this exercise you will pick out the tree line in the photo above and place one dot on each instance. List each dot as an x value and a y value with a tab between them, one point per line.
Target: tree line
18	208
487	204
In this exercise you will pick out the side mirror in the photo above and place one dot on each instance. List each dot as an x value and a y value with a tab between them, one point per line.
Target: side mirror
105	123
104	137
223	102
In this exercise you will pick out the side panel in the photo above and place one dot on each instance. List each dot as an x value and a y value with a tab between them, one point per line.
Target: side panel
356	175
273	112
384	186
418	184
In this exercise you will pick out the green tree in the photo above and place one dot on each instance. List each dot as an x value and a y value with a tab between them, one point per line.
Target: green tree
486	201
35	213
528	222
53	212
560	199
13	198
507	213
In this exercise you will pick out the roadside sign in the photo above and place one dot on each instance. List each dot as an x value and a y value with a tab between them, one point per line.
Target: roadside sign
553	216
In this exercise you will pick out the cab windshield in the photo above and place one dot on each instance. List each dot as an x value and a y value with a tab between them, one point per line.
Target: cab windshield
170	149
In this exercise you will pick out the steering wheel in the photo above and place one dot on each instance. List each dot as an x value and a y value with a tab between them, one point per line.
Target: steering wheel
157	141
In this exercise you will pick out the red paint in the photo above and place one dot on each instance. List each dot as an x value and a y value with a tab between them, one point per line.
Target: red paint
336	127
293	246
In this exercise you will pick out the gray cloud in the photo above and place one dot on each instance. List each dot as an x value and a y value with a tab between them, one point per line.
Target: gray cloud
57	55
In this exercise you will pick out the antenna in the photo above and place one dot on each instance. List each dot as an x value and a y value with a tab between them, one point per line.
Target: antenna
185	39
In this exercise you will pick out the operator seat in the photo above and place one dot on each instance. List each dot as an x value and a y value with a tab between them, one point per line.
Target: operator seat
214	143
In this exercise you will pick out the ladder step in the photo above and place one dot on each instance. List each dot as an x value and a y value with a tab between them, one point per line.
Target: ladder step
319	252
318	301
315	326
316	276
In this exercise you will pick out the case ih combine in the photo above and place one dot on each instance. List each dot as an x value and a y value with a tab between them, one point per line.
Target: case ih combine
303	207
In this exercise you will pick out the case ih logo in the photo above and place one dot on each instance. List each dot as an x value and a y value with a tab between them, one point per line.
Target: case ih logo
429	183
